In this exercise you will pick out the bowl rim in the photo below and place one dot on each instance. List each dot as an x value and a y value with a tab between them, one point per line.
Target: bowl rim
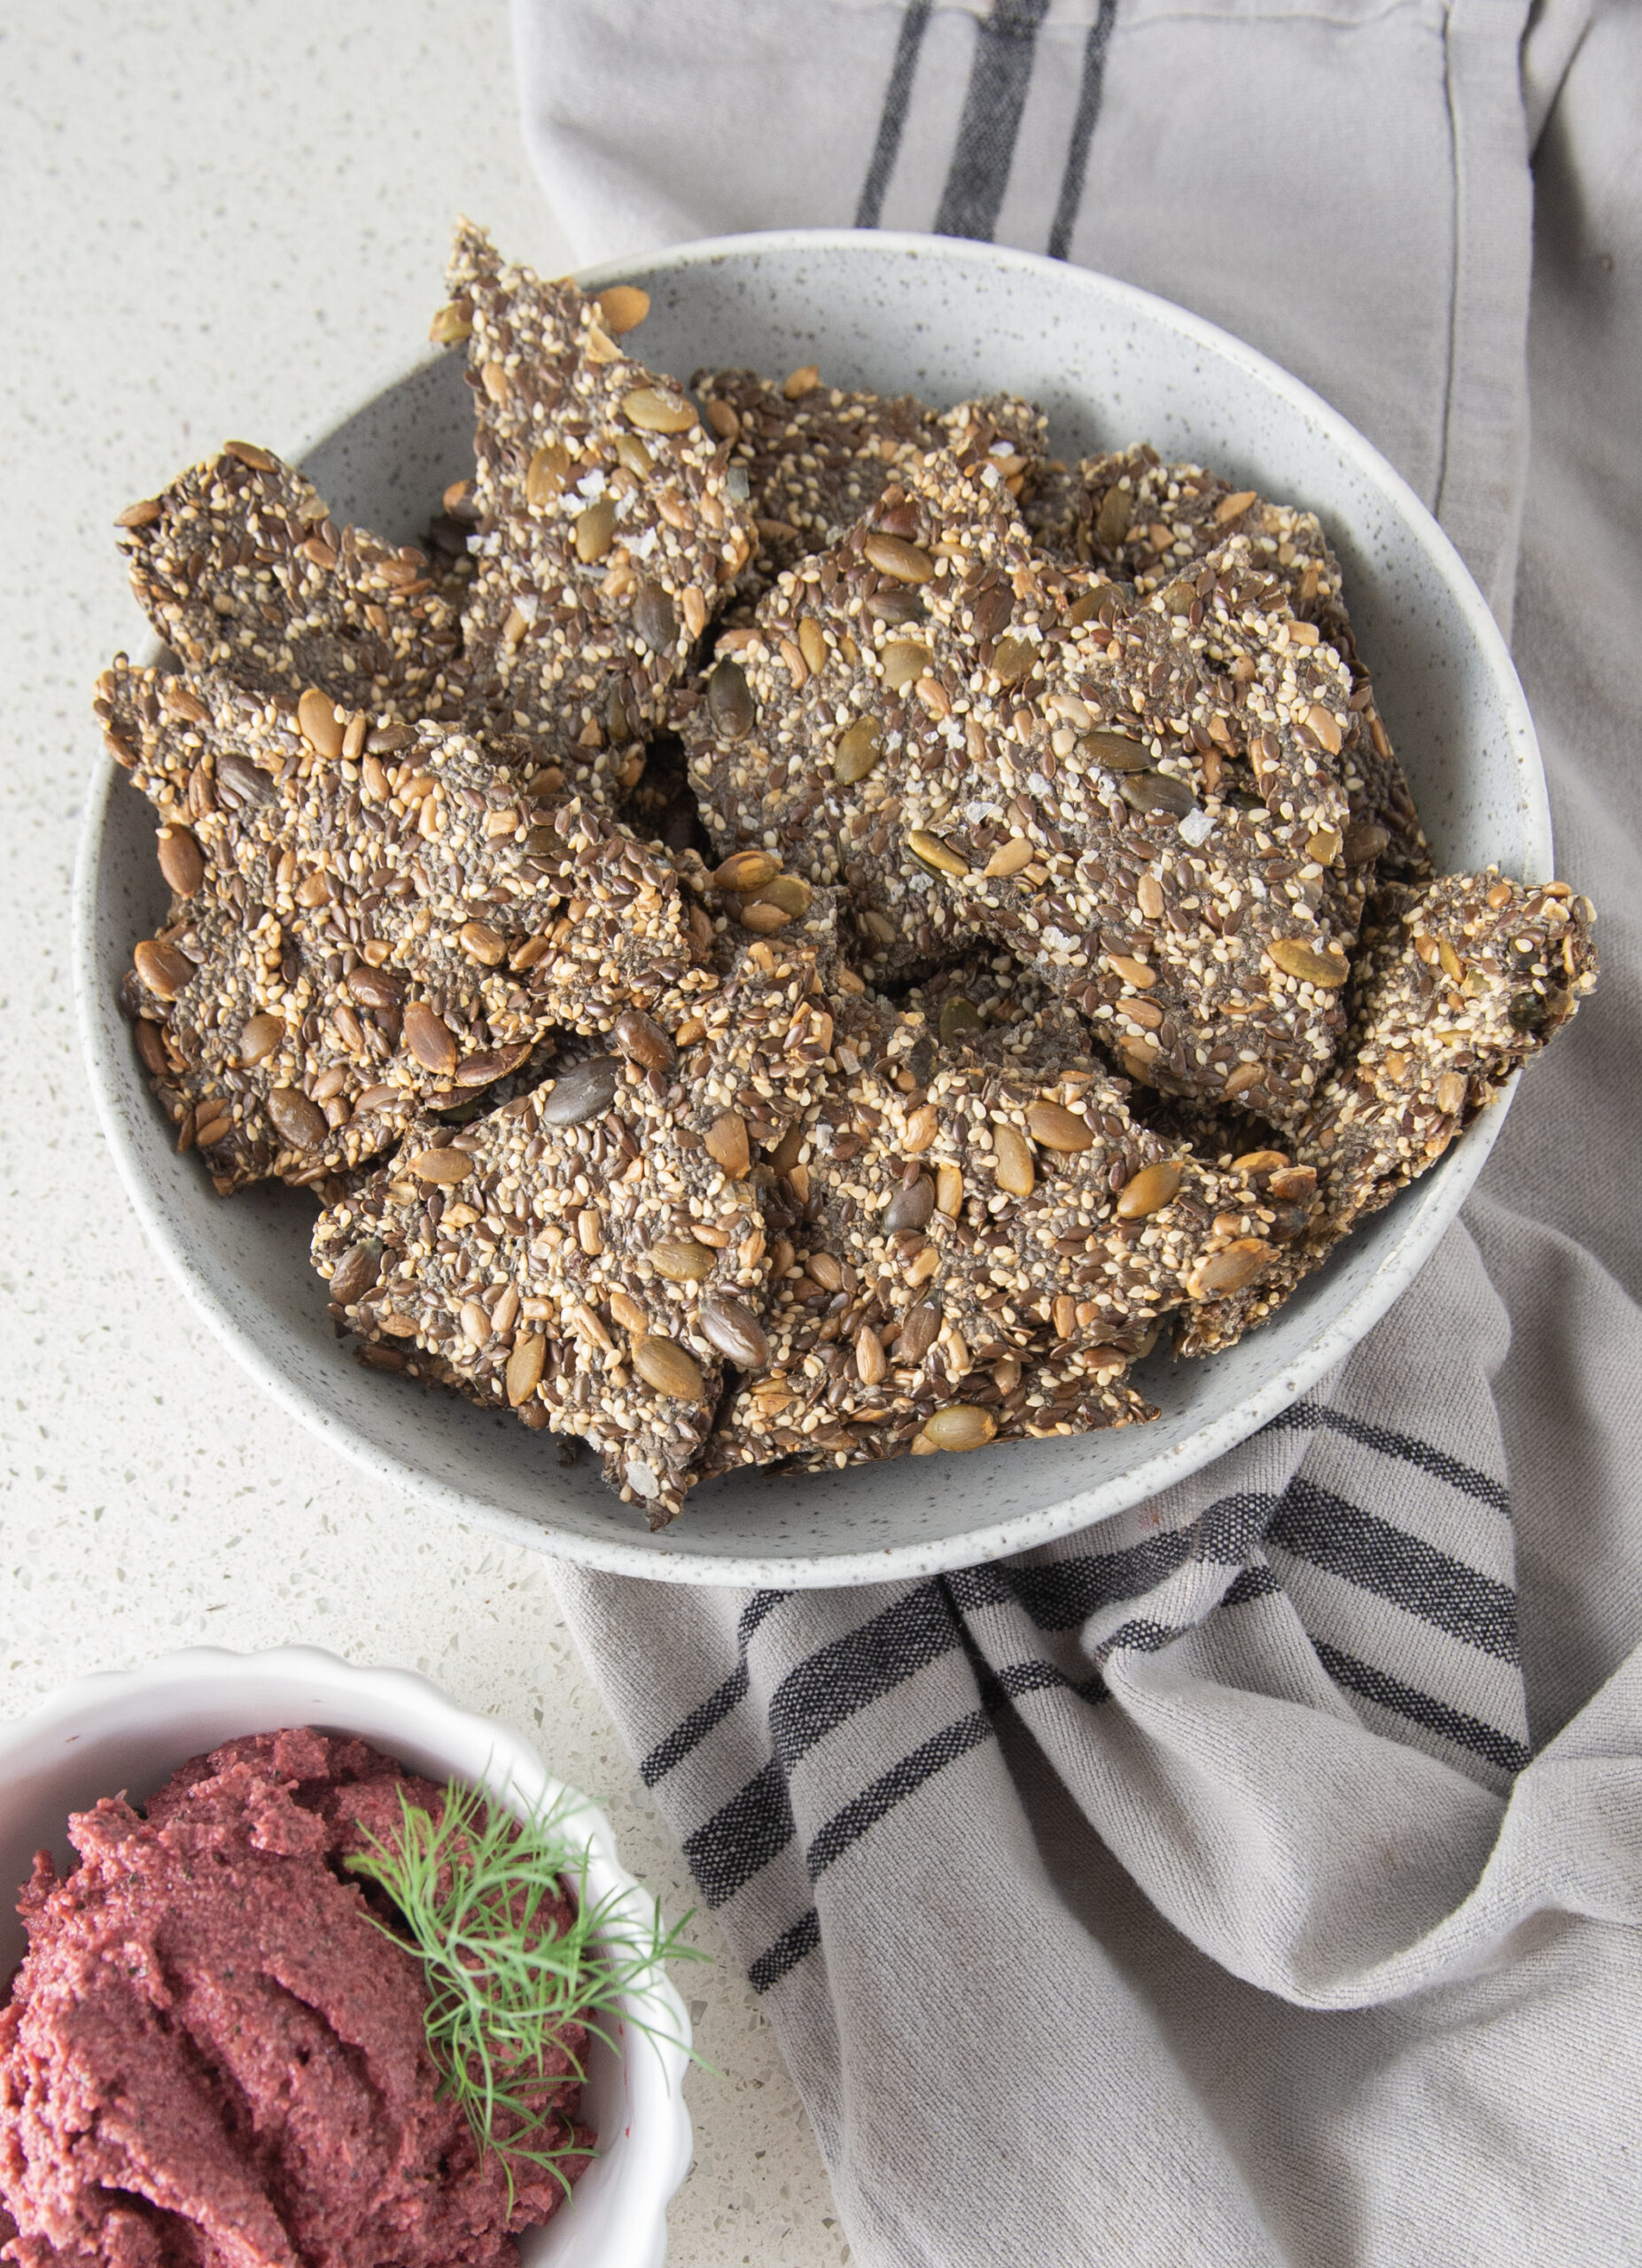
515	1774
1429	1206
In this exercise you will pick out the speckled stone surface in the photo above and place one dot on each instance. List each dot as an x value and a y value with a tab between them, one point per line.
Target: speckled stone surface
231	221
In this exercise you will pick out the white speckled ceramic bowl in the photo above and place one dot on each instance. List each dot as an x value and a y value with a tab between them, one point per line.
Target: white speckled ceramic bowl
130	1730
945	319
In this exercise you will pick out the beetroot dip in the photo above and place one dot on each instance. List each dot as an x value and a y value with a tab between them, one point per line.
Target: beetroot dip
211	2059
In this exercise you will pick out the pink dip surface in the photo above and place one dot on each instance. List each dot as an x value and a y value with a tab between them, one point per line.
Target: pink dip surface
212	2056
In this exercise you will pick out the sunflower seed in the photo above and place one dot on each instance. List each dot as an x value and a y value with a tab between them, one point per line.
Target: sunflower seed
892	555
1055	1128
1012	1162
1307	966
961	1425
655	412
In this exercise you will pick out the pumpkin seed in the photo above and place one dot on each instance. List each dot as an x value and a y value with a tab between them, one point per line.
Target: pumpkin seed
595	531
857	752
1012	1162
729	701
655	412
1055	1128
892	555
731	1326
1289	1184
452	324
666	1368
1233	1269
259	1039
903	663
1116	751
653	617
680	1260
910	1208
1013	659
1111	522
1305	965
643	1041
791	892
428	1038
797	382
961	1425
486	1065
1260	1161
162	968
181	861
1150	1190
482	943
959	1017
939	857
319	724
1325	846
548	473
584	1092
1364	840
356	1272
746	870
296	1120
1156	791
377	989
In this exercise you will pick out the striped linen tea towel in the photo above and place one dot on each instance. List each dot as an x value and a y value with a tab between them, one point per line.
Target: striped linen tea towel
1253	1877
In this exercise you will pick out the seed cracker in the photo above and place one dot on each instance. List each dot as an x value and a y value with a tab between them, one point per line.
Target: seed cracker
604	1250
1458	984
1149	524
402	928
929	1228
241	568
607	524
992	726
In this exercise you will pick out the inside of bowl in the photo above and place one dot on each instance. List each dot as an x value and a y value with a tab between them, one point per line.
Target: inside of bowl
1111	365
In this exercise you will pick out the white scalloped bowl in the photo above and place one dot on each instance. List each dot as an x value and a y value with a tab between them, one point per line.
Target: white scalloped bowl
945	319
130	1730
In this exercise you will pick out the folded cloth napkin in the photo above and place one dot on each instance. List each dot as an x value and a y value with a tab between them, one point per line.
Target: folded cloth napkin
1251	1879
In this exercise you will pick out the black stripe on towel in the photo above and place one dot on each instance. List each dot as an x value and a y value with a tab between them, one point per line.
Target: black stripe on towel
1327	1532
743	1835
1423	1709
701	1720
1089	95
1313	1417
893	117
996	96
787	1951
880	1797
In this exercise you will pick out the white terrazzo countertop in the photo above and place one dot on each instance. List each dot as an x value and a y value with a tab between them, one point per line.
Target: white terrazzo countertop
228	219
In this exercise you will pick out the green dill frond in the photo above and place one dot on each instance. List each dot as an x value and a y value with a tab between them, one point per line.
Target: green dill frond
505	1983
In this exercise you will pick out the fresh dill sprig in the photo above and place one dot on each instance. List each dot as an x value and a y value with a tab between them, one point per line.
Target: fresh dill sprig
503	1981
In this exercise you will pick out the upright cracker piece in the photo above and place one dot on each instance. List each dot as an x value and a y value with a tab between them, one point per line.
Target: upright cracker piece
592	1255
1144	801
1149	524
1458	984
813	457
607	524
241	569
969	1238
355	938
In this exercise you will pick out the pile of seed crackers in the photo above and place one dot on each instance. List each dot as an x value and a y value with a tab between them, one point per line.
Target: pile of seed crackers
795	927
